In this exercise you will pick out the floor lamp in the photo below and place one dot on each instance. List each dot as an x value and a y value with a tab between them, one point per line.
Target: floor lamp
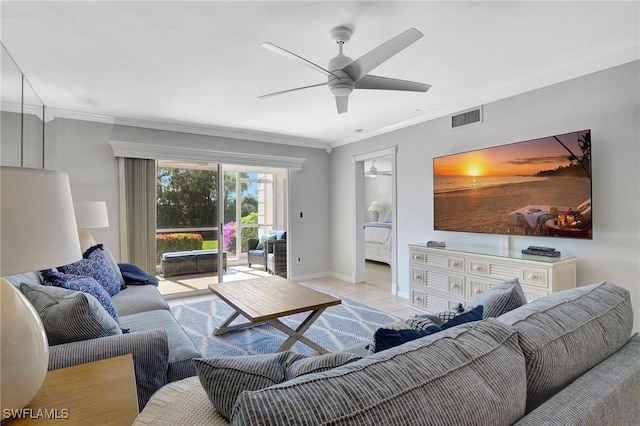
37	231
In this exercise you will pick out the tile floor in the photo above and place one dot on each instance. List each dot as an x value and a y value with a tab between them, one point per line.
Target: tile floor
374	292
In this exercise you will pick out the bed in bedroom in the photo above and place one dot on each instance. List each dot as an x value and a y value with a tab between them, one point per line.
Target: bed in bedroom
377	240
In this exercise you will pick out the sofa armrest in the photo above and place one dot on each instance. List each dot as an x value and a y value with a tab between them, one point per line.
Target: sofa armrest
150	350
252	243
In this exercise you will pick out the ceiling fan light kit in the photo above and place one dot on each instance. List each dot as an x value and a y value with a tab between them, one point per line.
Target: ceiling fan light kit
344	74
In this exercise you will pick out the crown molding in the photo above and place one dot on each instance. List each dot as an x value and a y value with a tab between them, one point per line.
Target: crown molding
129	149
223	132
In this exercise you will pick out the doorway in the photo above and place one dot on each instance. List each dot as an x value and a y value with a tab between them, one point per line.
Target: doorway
375	233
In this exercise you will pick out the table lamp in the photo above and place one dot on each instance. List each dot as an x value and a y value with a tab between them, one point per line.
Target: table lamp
37	231
90	214
376	207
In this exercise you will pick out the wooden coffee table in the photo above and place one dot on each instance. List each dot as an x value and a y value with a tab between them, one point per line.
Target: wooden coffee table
266	299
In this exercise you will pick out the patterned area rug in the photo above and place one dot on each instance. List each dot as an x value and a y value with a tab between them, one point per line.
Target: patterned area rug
339	327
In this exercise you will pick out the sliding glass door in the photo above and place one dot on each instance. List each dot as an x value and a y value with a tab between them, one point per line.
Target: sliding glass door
189	210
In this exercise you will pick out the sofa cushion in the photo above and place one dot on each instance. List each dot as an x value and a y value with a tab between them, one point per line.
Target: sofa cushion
69	316
225	378
84	284
409	384
501	298
181	348
565	334
607	394
139	298
95	264
26	277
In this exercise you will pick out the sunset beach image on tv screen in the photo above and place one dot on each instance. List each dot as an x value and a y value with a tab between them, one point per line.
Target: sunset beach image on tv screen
538	187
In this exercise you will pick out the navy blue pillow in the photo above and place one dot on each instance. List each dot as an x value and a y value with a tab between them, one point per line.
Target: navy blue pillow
83	284
133	274
386	338
95	264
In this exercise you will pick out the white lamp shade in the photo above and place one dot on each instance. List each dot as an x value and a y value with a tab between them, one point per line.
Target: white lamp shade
37	231
91	214
37	223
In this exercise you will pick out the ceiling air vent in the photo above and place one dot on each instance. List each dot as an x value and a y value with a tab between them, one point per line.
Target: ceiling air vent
466	117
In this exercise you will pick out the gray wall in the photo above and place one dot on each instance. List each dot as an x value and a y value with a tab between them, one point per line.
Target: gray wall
607	102
82	149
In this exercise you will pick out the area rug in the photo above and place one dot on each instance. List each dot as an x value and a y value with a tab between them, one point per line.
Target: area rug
339	327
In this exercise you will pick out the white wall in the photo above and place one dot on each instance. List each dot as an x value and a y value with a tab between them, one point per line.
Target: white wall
81	149
607	102
377	189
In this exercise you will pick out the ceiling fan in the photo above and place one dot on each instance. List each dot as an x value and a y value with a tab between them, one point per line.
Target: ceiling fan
344	74
373	171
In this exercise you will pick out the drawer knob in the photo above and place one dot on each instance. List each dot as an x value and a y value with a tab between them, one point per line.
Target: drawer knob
477	268
533	276
454	263
477	291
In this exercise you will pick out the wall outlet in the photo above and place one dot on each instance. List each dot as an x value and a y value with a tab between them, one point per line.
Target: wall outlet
298	260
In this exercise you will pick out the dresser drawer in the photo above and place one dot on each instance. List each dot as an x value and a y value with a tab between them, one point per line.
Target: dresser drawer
438	280
416	256
432	301
445	261
537	277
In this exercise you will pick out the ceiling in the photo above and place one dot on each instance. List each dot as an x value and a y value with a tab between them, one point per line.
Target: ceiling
198	66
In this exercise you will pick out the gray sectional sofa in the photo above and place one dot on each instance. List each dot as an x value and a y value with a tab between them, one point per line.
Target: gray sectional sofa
565	359
162	351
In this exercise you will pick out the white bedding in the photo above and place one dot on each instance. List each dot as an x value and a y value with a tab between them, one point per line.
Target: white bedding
380	235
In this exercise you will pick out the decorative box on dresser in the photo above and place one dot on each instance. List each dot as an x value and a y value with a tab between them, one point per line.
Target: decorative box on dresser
442	278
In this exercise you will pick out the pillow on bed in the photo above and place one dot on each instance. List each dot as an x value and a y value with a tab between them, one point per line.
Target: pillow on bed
387	217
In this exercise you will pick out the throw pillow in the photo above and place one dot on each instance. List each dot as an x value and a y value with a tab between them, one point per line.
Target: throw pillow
501	298
96	265
385	338
84	284
224	379
69	316
263	239
133	274
387	217
114	266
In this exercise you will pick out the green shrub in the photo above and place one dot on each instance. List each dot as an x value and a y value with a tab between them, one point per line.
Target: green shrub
248	232
166	243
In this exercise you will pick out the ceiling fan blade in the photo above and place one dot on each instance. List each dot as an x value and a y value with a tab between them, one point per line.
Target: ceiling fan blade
386	83
367	62
342	102
279	50
292	90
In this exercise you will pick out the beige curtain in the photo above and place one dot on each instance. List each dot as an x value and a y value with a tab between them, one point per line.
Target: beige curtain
140	201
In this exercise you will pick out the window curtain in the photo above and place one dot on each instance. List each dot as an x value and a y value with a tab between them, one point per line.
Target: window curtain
140	211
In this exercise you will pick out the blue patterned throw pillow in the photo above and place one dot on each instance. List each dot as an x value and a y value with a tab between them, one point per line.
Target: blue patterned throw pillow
83	284
95	264
385	338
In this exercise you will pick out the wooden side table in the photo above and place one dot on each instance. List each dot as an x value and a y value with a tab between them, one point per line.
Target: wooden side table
101	392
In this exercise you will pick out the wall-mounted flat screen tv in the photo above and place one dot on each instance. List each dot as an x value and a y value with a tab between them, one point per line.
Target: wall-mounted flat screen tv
538	187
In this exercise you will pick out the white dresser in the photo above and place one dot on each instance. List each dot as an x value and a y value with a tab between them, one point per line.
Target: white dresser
441	278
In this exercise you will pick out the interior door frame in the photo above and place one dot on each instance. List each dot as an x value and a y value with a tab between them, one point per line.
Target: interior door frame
358	250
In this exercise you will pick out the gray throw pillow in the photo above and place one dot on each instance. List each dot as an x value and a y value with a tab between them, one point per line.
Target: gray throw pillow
68	315
224	379
501	298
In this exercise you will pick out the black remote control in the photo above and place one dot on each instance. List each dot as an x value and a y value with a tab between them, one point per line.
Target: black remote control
538	248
